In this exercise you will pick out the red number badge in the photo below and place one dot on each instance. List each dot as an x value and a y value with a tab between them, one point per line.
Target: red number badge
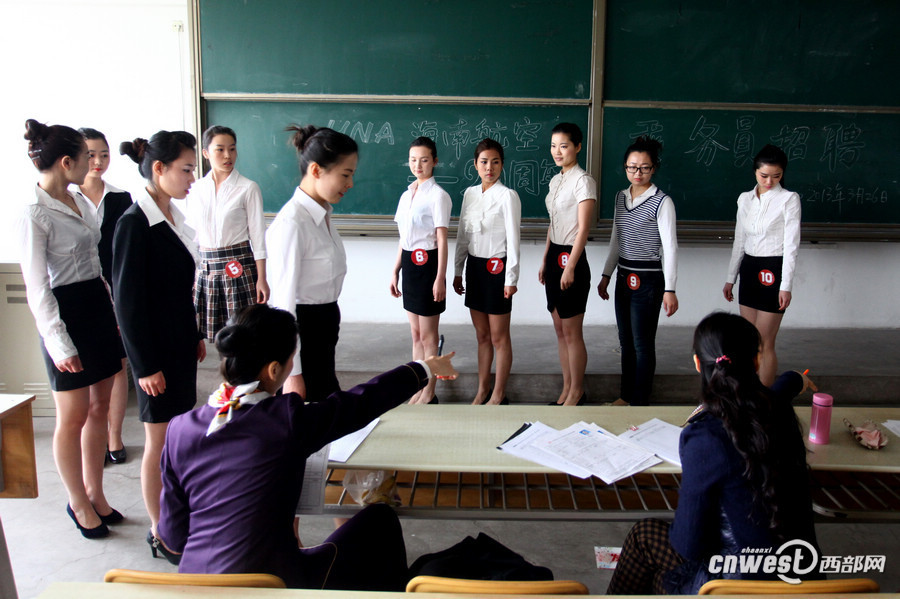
495	266
563	260
234	269
419	257
766	277
634	281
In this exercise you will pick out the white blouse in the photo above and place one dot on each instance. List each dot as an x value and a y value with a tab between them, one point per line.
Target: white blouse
567	190
310	262
767	226
665	222
59	247
489	224
155	216
231	216
422	209
100	209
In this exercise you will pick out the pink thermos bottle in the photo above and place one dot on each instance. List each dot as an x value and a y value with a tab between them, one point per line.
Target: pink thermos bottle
820	421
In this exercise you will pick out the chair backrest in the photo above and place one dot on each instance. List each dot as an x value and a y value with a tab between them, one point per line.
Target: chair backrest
439	584
207	580
767	587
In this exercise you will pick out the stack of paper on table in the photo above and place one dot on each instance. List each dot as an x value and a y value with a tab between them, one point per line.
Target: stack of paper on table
581	450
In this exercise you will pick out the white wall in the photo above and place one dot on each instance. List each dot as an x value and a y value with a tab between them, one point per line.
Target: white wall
118	66
836	285
114	65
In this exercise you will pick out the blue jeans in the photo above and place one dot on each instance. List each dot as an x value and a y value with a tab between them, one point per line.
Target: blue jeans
637	316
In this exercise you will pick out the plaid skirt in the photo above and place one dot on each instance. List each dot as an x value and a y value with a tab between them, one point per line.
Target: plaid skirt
225	283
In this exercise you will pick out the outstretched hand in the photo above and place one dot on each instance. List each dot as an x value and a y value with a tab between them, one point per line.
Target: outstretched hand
441	367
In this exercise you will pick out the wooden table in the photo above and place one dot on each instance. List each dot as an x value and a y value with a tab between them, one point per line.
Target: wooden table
17	447
447	465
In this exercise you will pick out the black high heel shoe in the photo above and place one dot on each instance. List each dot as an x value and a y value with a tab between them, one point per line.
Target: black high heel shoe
157	546
114	517
116	457
98	532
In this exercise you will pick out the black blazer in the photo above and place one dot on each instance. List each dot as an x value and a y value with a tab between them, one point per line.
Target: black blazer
115	203
153	276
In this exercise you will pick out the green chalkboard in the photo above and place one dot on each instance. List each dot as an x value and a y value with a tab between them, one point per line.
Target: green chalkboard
823	52
527	48
384	132
843	165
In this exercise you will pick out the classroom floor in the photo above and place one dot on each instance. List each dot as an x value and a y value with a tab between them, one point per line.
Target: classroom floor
863	364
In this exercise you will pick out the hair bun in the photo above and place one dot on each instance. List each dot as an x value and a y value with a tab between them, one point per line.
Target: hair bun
233	339
302	135
35	130
134	149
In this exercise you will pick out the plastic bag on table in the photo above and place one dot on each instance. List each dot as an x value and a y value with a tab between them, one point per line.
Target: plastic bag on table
371	486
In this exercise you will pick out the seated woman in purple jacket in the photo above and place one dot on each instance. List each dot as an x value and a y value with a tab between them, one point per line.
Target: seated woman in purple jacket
233	469
745	484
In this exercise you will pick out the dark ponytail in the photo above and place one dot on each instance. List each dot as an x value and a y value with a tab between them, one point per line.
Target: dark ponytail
164	146
323	146
47	144
726	346
256	336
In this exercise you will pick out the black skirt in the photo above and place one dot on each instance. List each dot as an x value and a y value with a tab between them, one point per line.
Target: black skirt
418	269
572	301
180	370
760	283
485	279
87	312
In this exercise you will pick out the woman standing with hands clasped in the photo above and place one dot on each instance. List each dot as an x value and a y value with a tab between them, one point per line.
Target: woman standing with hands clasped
70	302
423	215
226	209
308	275
487	245
108	204
565	273
766	240
154	260
644	248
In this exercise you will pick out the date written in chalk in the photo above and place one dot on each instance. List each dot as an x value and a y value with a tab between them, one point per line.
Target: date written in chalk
607	557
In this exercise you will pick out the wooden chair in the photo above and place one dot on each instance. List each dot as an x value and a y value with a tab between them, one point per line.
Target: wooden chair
439	584
778	587
207	580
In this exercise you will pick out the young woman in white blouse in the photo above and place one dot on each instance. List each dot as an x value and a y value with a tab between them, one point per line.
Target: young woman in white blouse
108	203
70	302
423	215
307	275
564	271
644	248
226	210
766	240
487	246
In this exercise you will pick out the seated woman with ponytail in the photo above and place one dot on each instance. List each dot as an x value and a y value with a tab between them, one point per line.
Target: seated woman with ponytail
745	483
232	470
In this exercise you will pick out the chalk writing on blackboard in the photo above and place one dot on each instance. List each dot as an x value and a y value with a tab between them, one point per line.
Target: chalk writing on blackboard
844	196
744	144
363	133
651	129
842	145
496	132
793	140
526	134
530	175
425	129
704	137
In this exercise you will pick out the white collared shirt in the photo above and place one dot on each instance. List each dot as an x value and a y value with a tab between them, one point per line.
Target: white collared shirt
422	209
230	216
59	247
567	190
767	226
100	209
665	222
155	216
489	224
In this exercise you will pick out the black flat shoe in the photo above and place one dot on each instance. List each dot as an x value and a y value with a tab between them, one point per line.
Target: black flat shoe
553	403
114	517
156	546
116	457
98	532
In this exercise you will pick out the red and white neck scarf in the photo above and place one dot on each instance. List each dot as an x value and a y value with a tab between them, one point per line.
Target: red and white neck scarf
228	399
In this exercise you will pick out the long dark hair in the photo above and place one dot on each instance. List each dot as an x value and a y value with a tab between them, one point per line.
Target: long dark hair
767	438
255	336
